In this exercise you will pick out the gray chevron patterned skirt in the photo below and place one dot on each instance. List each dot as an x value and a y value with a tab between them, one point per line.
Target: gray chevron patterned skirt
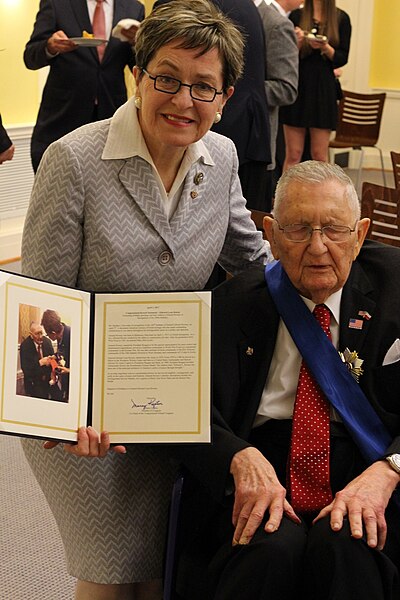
111	512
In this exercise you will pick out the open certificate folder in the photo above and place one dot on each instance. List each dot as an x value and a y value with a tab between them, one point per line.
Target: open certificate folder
134	364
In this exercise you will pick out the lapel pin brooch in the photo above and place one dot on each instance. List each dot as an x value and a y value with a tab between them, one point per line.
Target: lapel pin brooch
352	362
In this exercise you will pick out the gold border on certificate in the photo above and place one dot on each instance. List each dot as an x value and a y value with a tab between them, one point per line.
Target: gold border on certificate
152	367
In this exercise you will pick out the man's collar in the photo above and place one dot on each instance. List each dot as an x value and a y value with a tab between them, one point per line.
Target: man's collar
332	302
279	8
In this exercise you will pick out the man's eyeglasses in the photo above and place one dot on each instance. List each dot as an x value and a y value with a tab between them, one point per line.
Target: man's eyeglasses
302	233
170	85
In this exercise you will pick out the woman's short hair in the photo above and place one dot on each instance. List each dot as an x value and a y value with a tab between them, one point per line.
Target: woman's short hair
314	172
193	24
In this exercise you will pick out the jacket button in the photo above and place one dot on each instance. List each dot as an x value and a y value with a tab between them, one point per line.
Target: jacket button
165	257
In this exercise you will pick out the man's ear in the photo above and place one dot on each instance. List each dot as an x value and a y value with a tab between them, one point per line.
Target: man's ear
362	230
269	230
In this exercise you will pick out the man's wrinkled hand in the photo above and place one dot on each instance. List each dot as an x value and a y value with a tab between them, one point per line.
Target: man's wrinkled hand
257	489
364	501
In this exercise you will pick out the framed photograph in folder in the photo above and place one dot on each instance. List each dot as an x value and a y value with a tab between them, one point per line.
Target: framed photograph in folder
134	364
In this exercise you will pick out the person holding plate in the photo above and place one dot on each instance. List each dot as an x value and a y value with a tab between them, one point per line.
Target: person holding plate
148	200
84	84
323	35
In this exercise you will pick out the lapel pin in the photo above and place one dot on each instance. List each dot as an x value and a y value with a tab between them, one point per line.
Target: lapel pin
249	351
198	178
356	323
365	314
193	194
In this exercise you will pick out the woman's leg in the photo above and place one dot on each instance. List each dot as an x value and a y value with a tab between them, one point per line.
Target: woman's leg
144	590
319	144
294	145
86	590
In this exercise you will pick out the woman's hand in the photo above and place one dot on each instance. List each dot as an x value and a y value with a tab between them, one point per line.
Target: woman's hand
89	444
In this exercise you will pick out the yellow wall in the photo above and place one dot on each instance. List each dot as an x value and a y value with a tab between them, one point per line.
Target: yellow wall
385	50
19	87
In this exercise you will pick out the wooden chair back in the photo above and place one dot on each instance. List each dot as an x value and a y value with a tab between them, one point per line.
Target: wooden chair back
395	156
381	205
359	119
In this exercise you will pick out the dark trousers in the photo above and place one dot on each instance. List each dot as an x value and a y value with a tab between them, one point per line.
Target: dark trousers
306	562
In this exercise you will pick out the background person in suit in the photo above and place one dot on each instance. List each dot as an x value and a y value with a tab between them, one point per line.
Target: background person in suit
36	370
79	88
147	200
245	120
273	550
6	146
281	74
58	331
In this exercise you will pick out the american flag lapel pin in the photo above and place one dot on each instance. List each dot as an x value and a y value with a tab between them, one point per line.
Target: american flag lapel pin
356	323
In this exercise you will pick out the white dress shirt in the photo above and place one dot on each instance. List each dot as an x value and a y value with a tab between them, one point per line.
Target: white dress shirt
277	400
108	6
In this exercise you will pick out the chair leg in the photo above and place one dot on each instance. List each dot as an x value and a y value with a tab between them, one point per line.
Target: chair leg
382	165
360	164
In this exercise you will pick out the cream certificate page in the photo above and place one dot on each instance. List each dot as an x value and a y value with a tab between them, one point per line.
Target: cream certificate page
151	372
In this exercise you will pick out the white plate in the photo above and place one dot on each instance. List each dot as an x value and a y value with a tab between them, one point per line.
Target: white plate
90	42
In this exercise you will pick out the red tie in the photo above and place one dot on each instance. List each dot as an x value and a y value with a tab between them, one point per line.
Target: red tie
99	27
309	453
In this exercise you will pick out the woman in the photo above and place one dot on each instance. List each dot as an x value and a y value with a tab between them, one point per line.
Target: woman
316	106
148	200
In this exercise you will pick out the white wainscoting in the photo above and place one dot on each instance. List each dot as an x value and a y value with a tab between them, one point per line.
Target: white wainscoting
16	180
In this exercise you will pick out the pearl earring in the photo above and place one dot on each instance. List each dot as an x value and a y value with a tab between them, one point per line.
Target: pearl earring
217	118
138	102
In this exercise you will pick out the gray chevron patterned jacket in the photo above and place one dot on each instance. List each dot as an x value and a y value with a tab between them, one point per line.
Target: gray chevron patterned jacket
104	221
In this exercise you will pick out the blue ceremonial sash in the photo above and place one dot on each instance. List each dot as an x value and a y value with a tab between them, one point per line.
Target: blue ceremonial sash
331	373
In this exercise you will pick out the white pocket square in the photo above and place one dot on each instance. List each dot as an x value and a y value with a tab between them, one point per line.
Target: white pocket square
393	354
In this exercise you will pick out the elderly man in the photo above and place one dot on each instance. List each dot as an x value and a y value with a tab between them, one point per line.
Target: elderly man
295	497
35	353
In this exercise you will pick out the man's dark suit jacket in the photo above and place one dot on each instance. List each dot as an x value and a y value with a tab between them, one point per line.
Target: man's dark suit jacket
36	378
76	79
5	141
244	316
246	118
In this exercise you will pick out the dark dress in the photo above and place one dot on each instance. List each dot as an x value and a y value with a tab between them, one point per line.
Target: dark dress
316	104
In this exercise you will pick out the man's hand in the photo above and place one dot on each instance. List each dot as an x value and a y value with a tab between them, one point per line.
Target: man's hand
59	43
7	154
364	501
89	444
130	34
257	489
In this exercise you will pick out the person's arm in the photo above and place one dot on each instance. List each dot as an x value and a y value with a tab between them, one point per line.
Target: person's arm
54	221
282	65
46	40
6	145
243	245
339	55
